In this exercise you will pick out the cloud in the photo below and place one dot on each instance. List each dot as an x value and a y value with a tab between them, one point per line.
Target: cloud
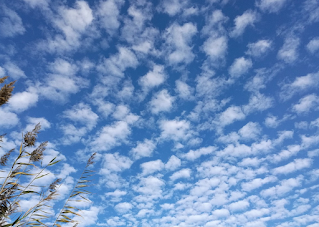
61	82
120	112
248	18
150	188
116	64
178	42
300	84
239	206
239	67
37	3
153	78
258	102
257	183
172	7
143	149
82	113
195	154
110	136
112	165
11	24
14	71
296	165
289	51
271	6
283	188
259	48
161	102
173	163
313	45
216	48
271	122
22	101
230	115
72	23
32	121
175	130
123	208
306	104
109	15
8	119
184	90
250	131
152	167
183	173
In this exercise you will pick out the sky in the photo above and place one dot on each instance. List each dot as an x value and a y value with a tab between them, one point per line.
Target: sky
202	113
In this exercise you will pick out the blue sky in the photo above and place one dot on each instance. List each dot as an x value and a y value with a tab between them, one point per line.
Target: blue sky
203	113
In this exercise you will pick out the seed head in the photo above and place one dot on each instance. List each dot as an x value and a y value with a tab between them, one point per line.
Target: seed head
37	154
31	137
6	91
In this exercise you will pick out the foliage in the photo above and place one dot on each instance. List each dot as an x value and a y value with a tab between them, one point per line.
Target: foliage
21	180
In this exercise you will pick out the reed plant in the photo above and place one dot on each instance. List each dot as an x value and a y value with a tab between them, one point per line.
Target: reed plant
21	179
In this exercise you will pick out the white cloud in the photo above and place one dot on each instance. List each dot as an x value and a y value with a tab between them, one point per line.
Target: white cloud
172	7
32	121
221	213
255	162
195	154
153	78
297	164
150	188
289	51
109	15
116	64
152	167
72	23
8	119
110	136
183	173
250	131
173	163
285	153
143	149
300	84
271	122
259	48
184	90
37	3
216	48
72	134
306	104
178	42
239	67
62	73
123	207
257	183
248	18
82	113
230	115
239	206
283	188
14	71
11	24
22	101
161	102
175	129
258	102
313	45
120	112
271	6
